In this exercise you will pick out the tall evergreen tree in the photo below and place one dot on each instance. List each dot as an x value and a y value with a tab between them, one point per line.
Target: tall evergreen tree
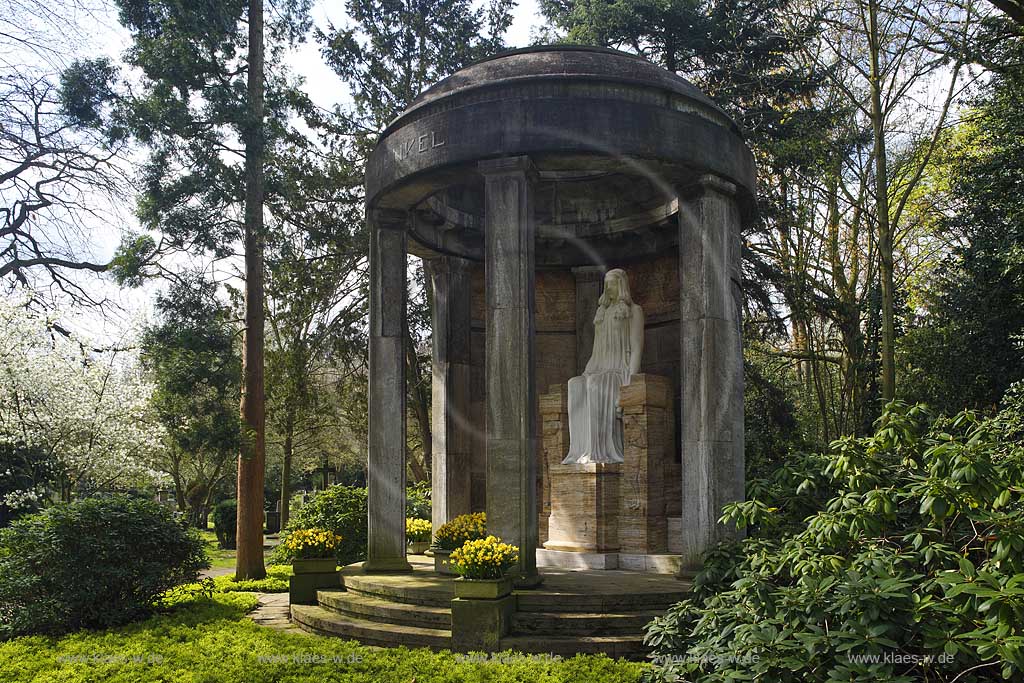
212	120
392	51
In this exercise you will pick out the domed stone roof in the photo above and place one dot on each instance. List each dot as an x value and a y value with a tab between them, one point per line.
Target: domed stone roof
553	63
614	140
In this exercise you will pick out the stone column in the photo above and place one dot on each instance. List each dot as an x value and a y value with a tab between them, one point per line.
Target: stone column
450	388
712	365
589	280
386	421
509	231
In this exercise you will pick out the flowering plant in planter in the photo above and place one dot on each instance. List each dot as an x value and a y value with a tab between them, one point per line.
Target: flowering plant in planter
311	544
417	530
484	559
455	533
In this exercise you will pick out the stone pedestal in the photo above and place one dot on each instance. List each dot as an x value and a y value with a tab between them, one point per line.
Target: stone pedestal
584	508
646	404
603	512
302	588
479	625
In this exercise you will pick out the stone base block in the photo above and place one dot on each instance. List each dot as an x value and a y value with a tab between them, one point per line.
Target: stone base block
654	564
584	508
675	535
651	564
382	566
479	625
576	560
302	588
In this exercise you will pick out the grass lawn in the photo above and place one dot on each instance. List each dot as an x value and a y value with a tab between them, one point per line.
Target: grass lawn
209	640
219	559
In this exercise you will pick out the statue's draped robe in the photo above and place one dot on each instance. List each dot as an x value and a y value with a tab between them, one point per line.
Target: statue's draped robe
595	428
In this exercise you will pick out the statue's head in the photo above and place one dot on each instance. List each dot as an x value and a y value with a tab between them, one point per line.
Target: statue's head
616	288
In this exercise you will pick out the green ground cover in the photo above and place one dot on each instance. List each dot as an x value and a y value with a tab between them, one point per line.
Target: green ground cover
209	640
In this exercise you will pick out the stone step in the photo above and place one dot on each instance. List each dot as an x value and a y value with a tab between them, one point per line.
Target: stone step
615	646
582	623
326	622
408	591
385	611
540	600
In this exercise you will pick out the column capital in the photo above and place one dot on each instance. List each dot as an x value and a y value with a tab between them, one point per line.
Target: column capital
388	219
508	166
456	265
706	184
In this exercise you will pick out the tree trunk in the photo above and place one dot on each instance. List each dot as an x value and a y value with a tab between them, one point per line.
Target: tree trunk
420	403
251	460
885	239
286	467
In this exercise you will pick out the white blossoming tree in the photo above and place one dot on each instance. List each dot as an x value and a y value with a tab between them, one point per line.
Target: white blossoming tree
87	410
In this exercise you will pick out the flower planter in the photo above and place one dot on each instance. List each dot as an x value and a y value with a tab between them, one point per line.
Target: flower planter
314	566
442	564
418	547
483	589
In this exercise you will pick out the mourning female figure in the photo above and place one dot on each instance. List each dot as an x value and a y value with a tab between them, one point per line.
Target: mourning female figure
595	419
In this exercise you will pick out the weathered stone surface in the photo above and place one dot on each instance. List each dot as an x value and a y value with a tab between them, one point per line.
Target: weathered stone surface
479	625
534	105
584	507
451	421
511	389
386	423
302	588
589	280
569	559
711	401
646	405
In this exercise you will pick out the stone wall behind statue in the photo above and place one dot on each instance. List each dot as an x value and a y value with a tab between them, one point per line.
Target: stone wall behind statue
654	285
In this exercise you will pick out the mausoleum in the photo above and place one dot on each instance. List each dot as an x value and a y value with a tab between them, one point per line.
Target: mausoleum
521	181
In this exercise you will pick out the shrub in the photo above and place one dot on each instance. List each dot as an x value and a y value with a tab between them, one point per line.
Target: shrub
454	533
911	570
417	500
225	523
92	563
341	509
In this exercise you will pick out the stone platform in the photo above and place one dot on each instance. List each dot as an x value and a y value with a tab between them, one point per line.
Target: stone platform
571	612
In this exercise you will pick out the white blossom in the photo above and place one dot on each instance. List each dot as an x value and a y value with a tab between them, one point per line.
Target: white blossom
89	409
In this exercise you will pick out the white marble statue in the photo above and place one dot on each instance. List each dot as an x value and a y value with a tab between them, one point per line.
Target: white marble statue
595	419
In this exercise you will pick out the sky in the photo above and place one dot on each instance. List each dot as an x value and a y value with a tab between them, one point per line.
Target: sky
97	32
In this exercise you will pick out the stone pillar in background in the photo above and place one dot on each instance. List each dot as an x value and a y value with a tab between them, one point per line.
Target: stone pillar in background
450	423
509	233
712	365
589	280
386	421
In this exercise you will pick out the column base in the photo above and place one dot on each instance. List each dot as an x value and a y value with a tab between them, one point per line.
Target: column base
386	565
527	581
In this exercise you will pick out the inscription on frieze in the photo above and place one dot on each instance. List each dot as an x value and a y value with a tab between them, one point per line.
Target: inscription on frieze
420	144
